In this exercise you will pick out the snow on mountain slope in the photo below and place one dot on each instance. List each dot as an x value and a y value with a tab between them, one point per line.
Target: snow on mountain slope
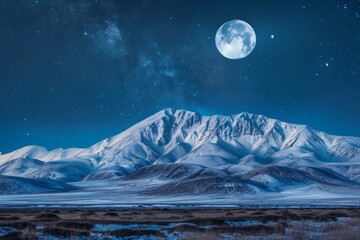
207	182
164	171
349	170
281	177
209	185
209	155
187	137
41	153
19	166
237	144
17	185
68	170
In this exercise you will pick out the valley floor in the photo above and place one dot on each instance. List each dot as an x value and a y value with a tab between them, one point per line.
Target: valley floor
127	194
165	223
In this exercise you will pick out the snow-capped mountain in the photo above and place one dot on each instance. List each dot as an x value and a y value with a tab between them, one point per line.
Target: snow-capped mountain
244	147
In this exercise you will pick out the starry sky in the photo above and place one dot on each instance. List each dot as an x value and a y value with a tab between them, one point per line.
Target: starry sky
75	72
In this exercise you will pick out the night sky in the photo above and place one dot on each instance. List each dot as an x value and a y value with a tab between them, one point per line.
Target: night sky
75	72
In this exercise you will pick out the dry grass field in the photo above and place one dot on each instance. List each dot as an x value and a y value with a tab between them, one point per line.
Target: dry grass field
162	223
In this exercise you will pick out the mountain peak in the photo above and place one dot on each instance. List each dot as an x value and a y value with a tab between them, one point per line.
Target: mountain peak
175	112
177	132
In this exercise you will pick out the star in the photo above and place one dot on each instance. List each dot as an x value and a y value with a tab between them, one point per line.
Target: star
272	36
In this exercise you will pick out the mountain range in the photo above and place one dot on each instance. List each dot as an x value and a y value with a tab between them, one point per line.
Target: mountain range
184	152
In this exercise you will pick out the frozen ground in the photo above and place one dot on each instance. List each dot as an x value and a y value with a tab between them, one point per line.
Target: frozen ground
124	194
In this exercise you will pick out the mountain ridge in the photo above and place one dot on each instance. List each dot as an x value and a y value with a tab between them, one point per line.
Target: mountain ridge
237	144
275	131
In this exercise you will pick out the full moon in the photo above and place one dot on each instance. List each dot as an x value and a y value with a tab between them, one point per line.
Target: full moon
235	39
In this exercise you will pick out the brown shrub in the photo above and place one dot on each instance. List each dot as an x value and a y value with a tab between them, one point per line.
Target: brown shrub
137	233
47	216
111	214
74	225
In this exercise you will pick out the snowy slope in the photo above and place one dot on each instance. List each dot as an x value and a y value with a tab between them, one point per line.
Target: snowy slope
67	170
187	137
247	147
17	185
